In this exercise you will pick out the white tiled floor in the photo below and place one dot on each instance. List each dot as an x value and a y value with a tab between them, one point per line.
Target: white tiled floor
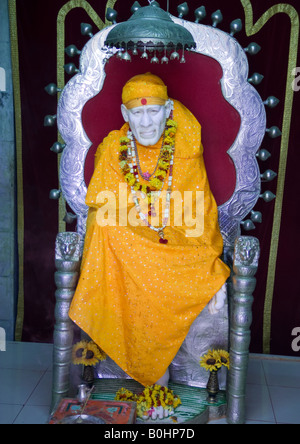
273	387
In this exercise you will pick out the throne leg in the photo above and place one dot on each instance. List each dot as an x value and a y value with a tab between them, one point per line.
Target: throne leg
67	260
245	263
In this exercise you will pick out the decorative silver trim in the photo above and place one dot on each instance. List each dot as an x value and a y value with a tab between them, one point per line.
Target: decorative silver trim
246	100
67	262
78	91
245	263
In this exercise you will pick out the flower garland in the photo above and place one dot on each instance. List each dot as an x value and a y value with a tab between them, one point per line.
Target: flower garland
152	397
87	353
129	163
214	360
131	174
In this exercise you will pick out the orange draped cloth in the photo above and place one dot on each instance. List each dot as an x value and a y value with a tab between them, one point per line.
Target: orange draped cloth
136	297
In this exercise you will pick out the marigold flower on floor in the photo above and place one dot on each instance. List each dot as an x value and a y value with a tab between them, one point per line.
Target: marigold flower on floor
151	397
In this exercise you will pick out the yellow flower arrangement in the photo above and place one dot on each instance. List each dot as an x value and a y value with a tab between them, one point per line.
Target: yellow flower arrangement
156	183
171	131
163	165
213	360
87	353
130	179
124	140
151	397
137	187
224	358
171	123
144	189
161	173
168	140
122	163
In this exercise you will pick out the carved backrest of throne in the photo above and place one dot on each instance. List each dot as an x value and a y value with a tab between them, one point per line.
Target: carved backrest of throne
213	84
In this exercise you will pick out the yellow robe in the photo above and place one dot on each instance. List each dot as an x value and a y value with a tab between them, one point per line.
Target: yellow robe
137	298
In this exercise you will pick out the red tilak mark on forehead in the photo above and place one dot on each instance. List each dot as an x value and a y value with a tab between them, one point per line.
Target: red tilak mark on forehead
144	101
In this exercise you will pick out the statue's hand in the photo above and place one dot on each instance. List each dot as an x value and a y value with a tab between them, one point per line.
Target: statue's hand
218	301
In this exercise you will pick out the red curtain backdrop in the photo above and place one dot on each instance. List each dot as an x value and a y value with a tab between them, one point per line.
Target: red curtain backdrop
36	33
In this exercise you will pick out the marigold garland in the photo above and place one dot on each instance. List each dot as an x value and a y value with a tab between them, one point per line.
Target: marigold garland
151	397
130	166
87	353
157	181
213	360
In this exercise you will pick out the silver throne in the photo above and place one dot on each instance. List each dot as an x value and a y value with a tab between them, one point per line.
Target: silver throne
230	328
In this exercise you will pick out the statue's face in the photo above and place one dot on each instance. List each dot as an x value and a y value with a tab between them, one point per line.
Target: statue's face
147	122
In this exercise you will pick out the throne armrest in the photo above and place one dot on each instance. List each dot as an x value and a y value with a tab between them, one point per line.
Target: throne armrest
245	263
67	262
